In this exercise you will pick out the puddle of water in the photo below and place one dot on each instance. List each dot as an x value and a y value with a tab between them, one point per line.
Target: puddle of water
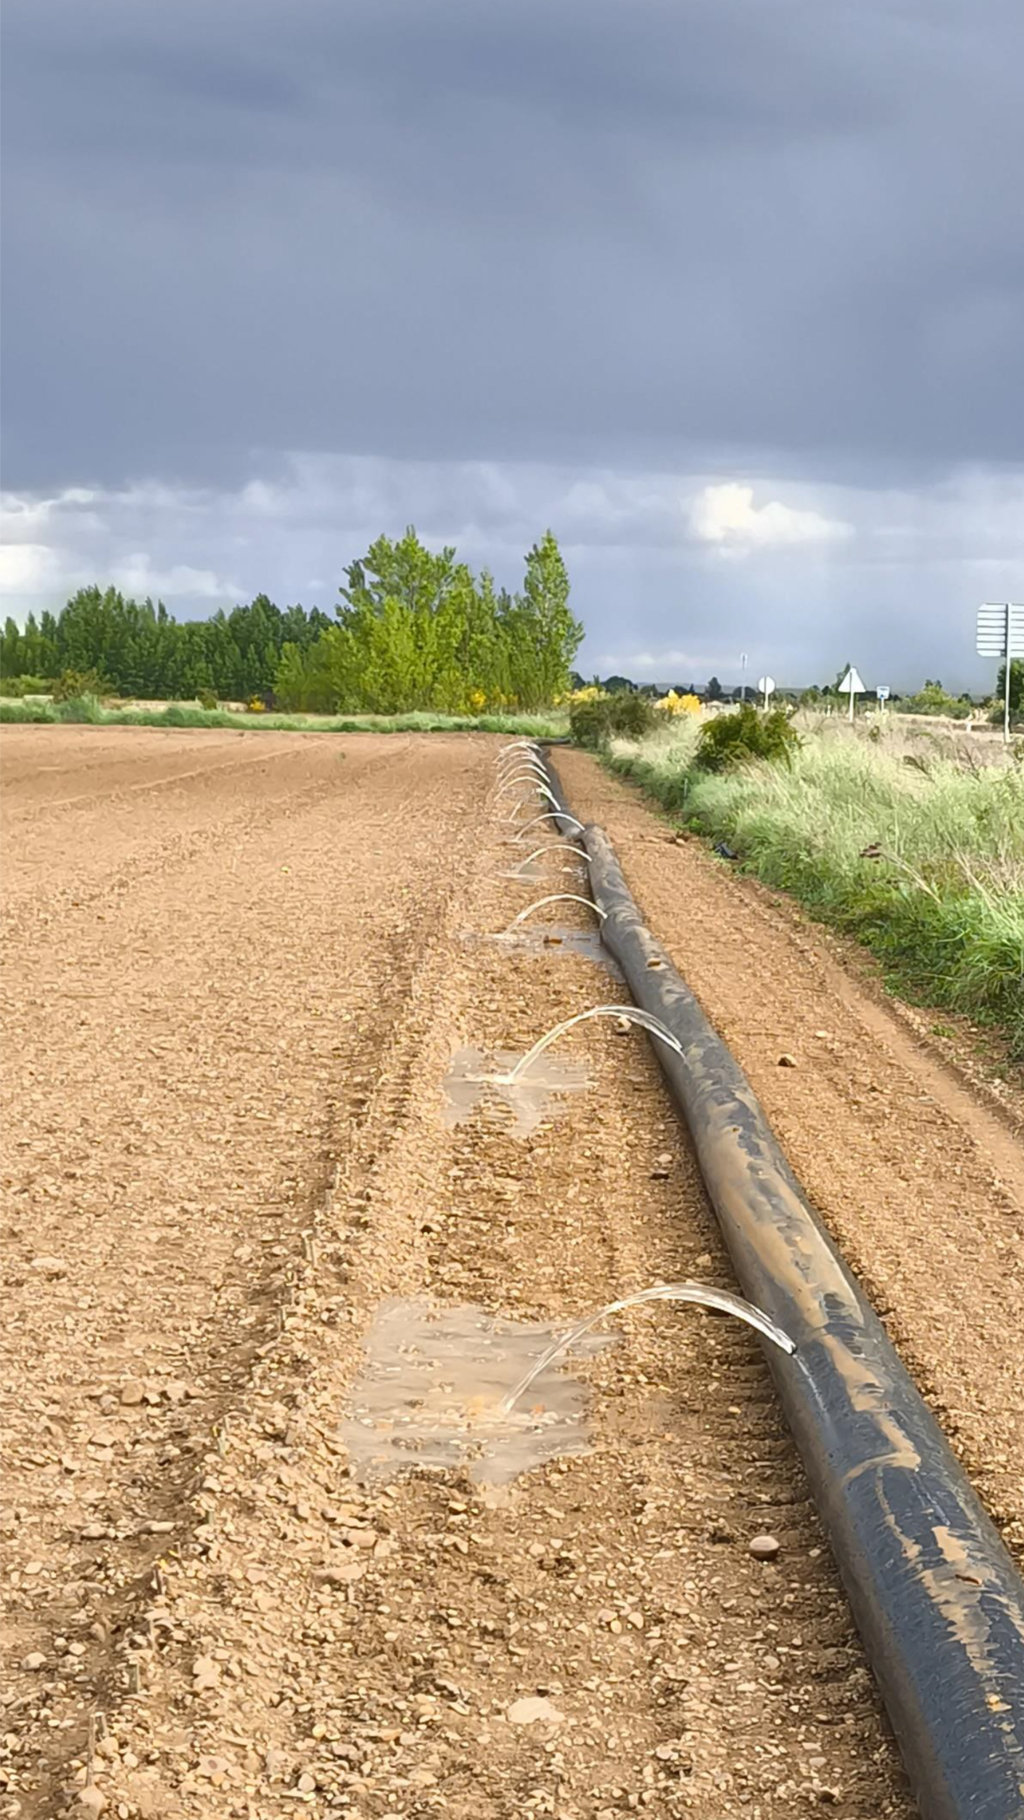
431	1390
526	1100
548	939
538	875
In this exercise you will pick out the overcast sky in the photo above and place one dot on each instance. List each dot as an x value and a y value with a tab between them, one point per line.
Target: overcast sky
728	292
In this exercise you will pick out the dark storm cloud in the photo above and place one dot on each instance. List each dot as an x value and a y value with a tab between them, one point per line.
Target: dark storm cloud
642	232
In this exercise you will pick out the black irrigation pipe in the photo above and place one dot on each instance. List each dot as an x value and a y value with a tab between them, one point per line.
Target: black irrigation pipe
936	1598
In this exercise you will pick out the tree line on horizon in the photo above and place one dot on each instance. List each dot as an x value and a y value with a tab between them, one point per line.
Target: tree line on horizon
931	698
414	629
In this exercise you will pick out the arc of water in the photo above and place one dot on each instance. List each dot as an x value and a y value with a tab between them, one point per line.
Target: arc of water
512	773
543	791
553	846
512	783
522	748
722	1299
634	1015
521	763
557	897
521	755
507	772
525	766
513	820
549	815
530	779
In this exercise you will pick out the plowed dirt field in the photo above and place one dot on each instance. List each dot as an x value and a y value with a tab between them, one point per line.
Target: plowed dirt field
267	1545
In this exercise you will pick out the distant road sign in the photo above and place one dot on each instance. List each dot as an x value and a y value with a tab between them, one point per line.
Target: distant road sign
1001	634
1001	630
882	691
766	684
852	686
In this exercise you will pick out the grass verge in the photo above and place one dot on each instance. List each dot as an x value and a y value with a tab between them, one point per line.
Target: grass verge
85	710
922	861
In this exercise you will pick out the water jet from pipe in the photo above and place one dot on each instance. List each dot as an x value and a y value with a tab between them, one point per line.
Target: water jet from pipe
722	1299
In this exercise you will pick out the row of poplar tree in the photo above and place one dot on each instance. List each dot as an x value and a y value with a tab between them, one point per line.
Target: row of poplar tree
414	629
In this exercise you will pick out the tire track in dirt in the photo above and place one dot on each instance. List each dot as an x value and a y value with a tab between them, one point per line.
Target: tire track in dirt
358	1649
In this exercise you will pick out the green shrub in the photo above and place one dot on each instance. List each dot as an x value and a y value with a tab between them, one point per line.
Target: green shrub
72	685
80	710
625	714
934	699
206	698
14	687
588	723
632	715
32	713
746	733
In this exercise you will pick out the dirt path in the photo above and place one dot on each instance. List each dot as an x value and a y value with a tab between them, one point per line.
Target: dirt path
221	1165
922	1185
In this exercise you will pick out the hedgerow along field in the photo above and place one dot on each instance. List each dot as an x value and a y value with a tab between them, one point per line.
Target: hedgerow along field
911	842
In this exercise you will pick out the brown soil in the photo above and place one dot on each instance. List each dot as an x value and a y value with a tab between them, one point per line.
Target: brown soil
239	967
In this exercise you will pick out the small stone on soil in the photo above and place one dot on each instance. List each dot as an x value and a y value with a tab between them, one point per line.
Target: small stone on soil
764	1548
533	1711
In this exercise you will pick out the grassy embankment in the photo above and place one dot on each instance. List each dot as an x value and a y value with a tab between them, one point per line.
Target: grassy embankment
87	711
919	857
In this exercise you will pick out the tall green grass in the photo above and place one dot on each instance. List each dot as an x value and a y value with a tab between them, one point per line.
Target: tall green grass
86	710
920	859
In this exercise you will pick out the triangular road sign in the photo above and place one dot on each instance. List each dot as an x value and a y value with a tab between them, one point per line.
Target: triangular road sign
851	683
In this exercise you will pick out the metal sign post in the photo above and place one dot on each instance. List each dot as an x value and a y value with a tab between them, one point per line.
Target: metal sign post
1001	634
851	685
882	693
767	686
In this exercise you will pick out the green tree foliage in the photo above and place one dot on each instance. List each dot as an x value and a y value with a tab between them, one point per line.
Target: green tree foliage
140	650
545	636
417	630
934	699
1016	690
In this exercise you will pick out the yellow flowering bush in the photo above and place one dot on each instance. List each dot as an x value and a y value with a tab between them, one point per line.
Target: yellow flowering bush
678	704
590	692
256	706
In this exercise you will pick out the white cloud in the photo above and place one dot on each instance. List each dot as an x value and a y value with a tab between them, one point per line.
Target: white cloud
26	568
52	544
23	517
726	514
648	664
137	575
